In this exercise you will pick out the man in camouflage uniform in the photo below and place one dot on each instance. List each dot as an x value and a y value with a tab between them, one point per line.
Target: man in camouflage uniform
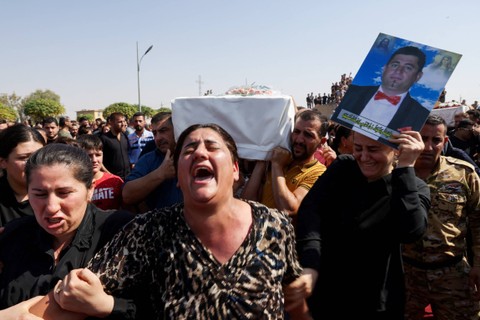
437	270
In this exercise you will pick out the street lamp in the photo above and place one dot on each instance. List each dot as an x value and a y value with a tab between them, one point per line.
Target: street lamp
138	73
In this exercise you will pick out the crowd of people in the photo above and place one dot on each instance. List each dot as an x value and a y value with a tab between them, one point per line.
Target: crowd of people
197	211
337	91
463	133
119	220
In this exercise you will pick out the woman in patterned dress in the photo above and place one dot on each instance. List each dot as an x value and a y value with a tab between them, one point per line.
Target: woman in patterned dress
212	257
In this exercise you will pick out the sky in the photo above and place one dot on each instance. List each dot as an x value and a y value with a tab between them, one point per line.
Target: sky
86	51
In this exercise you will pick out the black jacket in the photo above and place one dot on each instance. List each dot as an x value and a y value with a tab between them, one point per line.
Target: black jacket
350	230
10	209
26	255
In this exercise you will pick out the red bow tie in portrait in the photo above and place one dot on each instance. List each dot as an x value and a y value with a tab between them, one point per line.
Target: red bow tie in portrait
392	99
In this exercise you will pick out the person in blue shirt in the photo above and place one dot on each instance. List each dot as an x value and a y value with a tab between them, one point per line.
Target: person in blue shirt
139	138
152	182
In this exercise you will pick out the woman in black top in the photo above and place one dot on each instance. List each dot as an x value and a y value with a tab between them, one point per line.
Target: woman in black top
17	143
66	231
351	225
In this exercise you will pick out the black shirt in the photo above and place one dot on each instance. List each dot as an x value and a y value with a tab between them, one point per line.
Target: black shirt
27	258
115	154
470	146
350	230
10	209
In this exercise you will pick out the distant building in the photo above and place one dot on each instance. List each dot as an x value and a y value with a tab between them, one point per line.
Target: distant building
94	113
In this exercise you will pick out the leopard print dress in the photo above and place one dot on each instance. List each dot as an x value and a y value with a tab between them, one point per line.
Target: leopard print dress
159	265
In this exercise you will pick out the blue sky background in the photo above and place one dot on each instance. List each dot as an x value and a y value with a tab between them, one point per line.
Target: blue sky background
424	91
85	51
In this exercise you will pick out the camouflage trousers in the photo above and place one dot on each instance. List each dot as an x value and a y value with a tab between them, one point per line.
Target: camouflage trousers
446	289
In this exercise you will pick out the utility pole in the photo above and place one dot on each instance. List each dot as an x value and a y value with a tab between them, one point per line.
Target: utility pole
138	74
199	81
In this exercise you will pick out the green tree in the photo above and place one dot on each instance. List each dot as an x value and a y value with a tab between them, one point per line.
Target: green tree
45	94
7	113
38	94
41	108
88	116
163	109
14	102
127	109
149	112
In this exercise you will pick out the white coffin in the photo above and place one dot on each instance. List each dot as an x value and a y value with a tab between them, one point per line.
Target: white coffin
257	123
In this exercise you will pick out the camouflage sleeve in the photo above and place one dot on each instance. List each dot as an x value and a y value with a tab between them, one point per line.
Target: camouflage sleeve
473	214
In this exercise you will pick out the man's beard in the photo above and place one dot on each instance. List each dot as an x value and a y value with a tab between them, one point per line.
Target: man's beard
299	157
138	128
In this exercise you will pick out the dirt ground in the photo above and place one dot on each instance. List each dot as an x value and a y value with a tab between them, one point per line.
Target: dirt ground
326	109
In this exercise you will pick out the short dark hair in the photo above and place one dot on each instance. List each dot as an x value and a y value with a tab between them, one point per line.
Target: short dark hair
435	120
61	121
161	116
474	113
50	120
465	123
83	130
67	140
138	114
90	142
114	115
411	51
309	115
340	132
227	138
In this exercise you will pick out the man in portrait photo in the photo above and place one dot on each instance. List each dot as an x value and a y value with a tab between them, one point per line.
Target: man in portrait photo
395	89
388	104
